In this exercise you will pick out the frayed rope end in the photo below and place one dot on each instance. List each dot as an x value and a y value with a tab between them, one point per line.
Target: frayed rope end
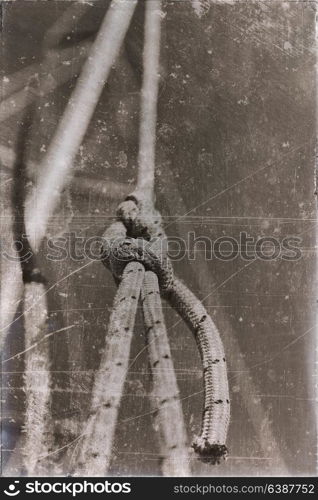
210	453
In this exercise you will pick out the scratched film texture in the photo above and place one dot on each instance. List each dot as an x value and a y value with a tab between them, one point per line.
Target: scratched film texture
235	152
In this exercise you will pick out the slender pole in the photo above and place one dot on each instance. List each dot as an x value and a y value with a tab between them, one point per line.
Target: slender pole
149	97
70	132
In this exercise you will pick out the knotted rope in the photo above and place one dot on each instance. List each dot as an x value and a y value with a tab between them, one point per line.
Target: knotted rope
135	251
59	160
138	236
136	271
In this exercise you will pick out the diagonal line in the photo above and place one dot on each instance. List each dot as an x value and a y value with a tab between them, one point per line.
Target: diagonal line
46	292
225	190
33	346
268	360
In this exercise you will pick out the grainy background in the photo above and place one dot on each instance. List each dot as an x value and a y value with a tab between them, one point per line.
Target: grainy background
235	152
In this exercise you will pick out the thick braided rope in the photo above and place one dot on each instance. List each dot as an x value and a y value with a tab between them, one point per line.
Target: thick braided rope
216	413
145	230
95	450
168	413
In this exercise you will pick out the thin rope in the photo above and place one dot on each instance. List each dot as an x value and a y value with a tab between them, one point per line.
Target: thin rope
165	392
37	376
95	450
165	399
70	132
37	380
50	65
149	98
64	24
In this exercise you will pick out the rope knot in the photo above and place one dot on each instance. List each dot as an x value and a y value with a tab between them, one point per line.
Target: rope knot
127	250
140	218
138	236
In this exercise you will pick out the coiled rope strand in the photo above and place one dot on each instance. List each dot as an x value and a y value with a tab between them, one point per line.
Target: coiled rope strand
210	444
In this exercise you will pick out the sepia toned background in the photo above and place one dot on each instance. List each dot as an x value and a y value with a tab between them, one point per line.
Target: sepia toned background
235	152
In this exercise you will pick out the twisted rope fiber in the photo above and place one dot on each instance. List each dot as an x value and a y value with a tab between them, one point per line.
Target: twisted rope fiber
37	379
144	233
